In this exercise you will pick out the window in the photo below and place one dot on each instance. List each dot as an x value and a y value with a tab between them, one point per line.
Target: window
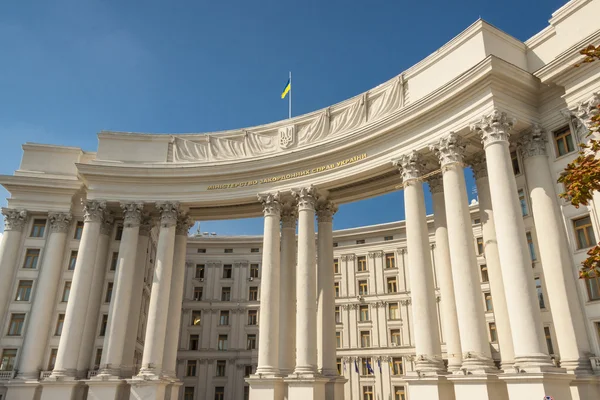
515	162
227	268
66	292
335	244
52	359
365	339
479	245
363	288
247	370
563	141
488	301
219	393
7	363
395	336
360	241
191	368
493	333
523	202
228	251
251	342
222	343
368	392
593	288
31	258
221	366
364	313
399	393
72	260
393	311
338	340
338	362
199	271
597	324
109	290
16	324
59	324
224	318
201	250
194	341
246	392
188	393
548	340
336	288
531	246
252	317
114	260
388	238
253	270
98	358
253	293
392	285
336	266
397	366
338	315
119	232
78	230
366	367
24	291
196	317
226	294
362	263
198	293
254	250
38	228
584	233
484	273
540	292
476	221
390	260
103	325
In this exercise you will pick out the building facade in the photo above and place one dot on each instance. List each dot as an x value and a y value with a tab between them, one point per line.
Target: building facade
104	295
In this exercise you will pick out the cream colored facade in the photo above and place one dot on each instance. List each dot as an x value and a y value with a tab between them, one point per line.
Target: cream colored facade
113	224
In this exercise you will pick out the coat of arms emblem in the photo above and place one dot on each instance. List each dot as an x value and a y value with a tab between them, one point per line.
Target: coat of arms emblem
287	136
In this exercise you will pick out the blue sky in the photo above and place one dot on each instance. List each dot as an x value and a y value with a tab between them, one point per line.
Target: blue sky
70	68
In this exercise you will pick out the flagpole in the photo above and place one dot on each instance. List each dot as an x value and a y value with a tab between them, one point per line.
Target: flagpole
290	101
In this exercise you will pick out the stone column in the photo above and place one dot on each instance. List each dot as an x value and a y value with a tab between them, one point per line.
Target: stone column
471	318
268	341
10	245
492	259
569	323
44	300
521	300
112	354
287	310
72	333
444	274
427	339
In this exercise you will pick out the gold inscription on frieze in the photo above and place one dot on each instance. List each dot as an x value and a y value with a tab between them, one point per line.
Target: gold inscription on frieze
292	175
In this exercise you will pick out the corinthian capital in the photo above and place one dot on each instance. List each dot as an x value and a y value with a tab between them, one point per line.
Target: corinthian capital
450	149
494	127
107	223
184	223
145	225
59	222
325	210
14	220
533	143
168	213
436	184
306	197
411	166
479	166
289	214
587	110
132	214
93	210
271	204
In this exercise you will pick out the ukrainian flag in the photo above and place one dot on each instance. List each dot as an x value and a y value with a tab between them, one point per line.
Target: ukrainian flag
286	89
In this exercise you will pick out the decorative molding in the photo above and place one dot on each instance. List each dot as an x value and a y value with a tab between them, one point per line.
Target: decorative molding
450	150
240	264
406	302
325	210
411	166
169	210
479	166
402	251
146	224
306	197
184	223
60	222
93	210
587	110
107	223
436	184
271	204
132	214
533	143
494	127
376	254
14	220
348	257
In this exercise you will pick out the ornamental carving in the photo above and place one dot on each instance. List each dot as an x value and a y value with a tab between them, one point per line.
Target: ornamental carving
449	150
402	251
271	204
107	223
479	166
213	264
411	166
240	264
325	210
406	302
306	197
348	257
169	210
588	109
494	127
93	210
14	220
145	225
184	223
345	306
287	136
59	222
380	304
289	214
376	254
132	214
436	184
533	143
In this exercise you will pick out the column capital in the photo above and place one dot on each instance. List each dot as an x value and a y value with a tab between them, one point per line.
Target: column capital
587	110
107	223
376	254
146	225
271	203
184	223
306	197
289	214
132	213
168	213
59	222
479	166
450	149
494	127
348	257
411	166
14	220
533	143
436	184
325	210
93	210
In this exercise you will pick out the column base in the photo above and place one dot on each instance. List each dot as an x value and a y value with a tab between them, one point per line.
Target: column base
265	388
63	389
480	386
306	387
147	389
107	388
172	391
537	385
334	389
23	390
429	386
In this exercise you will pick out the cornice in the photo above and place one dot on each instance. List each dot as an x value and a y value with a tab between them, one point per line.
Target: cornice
28	182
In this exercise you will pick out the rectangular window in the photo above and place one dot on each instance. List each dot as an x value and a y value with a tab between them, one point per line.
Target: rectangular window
540	292
364	313
523	202
38	228
335	244
228	251
31	258
227	269
484	273
98	358
338	340
531	246
253	293
221	366
78	230
563	141
476	221
188	393
584	232
390	260
198	293
224	317
593	288
15	327
109	290
251	342
336	266
252	317
7	363
489	306
24	291
338	362
226	294
515	162
254	250
253	270
361	263
103	325
338	315
119	232
201	250
368	392
365	367
493	333
114	261
399	393
336	288
397	366
59	324
393	311
72	260
191	368
222	343
219	393
365	339
395	336
480	246
52	359
360	241
194	341
363	288
392	285
388	238
196	317
199	271
66	292
247	370
548	340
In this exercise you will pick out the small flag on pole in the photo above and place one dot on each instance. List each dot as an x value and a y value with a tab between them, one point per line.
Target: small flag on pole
356	366
344	365
287	88
369	367
379	364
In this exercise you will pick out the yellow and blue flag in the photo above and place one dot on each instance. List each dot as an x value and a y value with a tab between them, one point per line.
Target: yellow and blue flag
286	89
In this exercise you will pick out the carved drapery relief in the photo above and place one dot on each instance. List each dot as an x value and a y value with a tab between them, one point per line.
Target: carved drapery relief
14	220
